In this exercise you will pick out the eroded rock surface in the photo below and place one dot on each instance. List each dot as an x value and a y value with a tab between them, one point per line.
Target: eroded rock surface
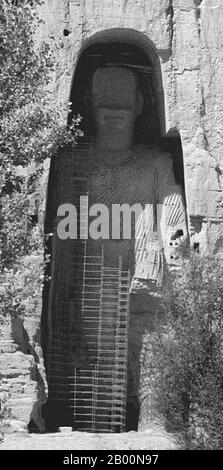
22	378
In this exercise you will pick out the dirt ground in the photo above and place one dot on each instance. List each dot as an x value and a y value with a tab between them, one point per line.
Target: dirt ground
150	440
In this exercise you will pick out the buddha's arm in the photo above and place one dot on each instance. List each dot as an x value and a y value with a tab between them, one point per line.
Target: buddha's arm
162	227
172	217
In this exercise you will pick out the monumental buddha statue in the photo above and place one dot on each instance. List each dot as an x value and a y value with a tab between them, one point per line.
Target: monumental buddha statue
112	170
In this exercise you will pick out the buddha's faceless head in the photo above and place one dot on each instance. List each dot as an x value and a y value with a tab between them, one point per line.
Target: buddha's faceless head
116	101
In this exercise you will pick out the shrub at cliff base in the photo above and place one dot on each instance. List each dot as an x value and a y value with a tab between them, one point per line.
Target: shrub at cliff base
184	358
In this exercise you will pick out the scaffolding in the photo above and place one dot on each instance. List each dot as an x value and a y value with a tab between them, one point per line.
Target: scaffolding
88	344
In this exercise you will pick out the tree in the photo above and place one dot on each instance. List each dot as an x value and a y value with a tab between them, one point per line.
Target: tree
32	130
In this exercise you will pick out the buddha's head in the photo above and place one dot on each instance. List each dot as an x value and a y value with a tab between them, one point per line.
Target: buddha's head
117	102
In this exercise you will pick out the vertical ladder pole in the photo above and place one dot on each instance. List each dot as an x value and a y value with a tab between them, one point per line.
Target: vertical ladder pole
100	325
115	380
126	343
93	401
75	394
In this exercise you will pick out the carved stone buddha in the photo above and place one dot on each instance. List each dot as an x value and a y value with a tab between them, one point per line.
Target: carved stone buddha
117	172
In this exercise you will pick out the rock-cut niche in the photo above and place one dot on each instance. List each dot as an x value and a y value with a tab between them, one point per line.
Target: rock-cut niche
103	295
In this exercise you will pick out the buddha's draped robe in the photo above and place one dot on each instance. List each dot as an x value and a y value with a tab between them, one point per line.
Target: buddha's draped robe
144	177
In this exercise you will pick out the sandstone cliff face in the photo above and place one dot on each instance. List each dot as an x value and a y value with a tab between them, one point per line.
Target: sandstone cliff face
184	40
187	39
23	386
22	376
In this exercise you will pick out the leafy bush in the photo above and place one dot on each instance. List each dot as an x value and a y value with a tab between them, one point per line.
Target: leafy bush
33	129
183	359
5	415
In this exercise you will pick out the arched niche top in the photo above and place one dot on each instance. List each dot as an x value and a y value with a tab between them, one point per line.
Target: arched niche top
146	52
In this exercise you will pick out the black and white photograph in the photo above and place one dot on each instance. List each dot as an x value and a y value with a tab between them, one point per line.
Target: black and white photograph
111	231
